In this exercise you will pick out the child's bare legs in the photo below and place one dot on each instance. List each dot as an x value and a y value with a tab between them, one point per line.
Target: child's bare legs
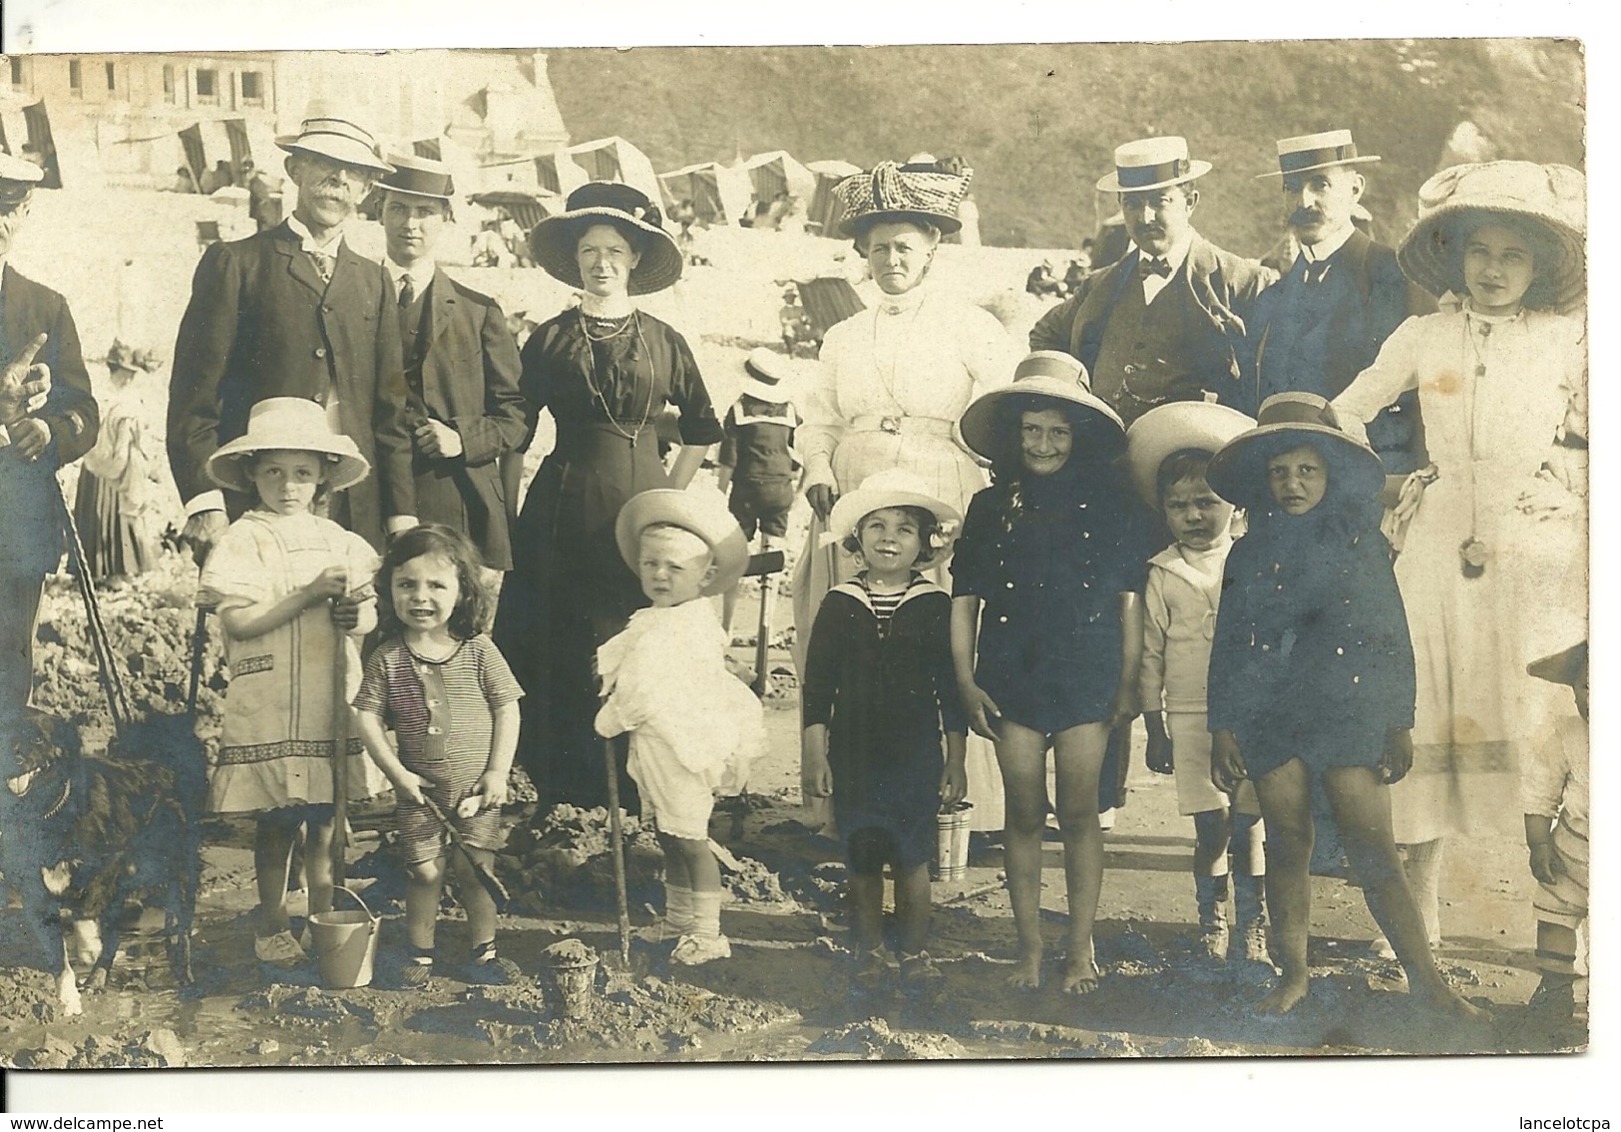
1212	831
1022	756
480	908
1361	807
867	854
272	854
1247	843
913	897
423	882
1285	795
689	863
318	863
1078	755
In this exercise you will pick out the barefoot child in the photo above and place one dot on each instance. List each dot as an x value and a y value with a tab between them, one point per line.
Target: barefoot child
441	686
1311	674
1554	788
693	725
1053	554
290	588
1168	449
878	692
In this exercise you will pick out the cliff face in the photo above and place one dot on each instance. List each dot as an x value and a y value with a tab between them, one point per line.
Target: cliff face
1039	122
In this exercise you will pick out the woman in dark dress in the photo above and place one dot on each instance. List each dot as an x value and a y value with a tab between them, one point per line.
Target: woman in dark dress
606	371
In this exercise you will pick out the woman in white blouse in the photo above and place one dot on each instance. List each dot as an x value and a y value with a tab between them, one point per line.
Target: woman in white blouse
892	382
1495	528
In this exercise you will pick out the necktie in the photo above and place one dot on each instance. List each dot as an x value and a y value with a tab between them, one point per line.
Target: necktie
1154	265
1316	269
408	292
323	265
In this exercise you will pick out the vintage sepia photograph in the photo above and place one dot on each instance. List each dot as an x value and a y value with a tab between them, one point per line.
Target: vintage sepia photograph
586	556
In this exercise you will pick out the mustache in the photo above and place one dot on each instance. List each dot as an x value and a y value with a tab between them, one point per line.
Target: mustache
1303	216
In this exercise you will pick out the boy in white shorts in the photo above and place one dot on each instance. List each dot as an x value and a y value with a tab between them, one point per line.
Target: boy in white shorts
693	726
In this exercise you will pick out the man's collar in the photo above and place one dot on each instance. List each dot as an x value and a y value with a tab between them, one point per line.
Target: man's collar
1322	249
1177	254
308	242
421	273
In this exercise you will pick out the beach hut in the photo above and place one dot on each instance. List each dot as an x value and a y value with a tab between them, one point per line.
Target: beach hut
775	173
556	172
615	159
823	214
719	193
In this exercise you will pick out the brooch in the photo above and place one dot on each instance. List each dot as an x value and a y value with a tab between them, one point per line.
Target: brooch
891	425
1474	555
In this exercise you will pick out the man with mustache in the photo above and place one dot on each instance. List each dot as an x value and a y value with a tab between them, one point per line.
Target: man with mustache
1166	322
1338	301
294	312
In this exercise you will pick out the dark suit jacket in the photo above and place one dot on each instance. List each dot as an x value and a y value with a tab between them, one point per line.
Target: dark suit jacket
29	499
469	380
260	324
1224	286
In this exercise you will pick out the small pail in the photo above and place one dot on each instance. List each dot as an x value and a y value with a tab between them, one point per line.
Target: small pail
569	969
951	841
345	944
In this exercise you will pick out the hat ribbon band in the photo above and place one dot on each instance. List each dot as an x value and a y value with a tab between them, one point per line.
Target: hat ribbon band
1299	414
759	374
1307	158
417	181
359	136
1141	176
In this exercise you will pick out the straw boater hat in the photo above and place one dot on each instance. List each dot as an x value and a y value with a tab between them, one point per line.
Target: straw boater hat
332	133
555	240
17	178
892	487
908	192
419	177
1317	151
1166	429
293	424
1562	667
1152	163
1552	198
1237	473
703	512
1045	373
768	376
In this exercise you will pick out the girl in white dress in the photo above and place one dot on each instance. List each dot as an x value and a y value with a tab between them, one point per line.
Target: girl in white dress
1492	534
892	382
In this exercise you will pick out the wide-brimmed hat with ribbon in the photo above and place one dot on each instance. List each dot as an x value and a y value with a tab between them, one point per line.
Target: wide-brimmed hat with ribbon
292	424
335	134
555	241
768	376
1049	374
17	178
1318	151
419	177
1551	199
908	193
1152	163
1237	472
892	487
1177	427
702	511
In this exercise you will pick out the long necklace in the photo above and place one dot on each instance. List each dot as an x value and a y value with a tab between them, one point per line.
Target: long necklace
892	423
596	390
1474	553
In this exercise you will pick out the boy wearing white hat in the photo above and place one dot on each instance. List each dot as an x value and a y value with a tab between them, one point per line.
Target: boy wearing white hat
694	727
1341	297
295	312
1167	322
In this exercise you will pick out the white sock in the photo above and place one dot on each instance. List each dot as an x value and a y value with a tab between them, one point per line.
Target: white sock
705	915
678	911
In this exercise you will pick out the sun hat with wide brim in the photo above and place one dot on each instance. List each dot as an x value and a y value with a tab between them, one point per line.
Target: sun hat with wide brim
768	376
1177	427
335	134
1152	163
1456	201
1237	472
1562	667
703	512
555	241
17	178
902	193
291	424
892	487
1044	373
1317	151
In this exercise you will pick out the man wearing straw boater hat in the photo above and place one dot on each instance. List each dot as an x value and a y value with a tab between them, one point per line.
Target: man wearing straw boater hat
1339	299
1165	323
295	312
48	418
461	365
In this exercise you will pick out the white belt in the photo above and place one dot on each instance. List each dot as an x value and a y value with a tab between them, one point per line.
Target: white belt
904	426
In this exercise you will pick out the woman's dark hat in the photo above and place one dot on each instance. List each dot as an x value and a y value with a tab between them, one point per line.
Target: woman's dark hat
1044	373
555	240
909	193
1287	420
1563	667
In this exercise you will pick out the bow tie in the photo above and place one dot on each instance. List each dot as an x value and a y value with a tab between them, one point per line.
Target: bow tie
1154	265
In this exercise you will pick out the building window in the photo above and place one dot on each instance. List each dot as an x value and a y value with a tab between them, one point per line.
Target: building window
208	91
112	78
168	82
253	88
75	79
17	80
